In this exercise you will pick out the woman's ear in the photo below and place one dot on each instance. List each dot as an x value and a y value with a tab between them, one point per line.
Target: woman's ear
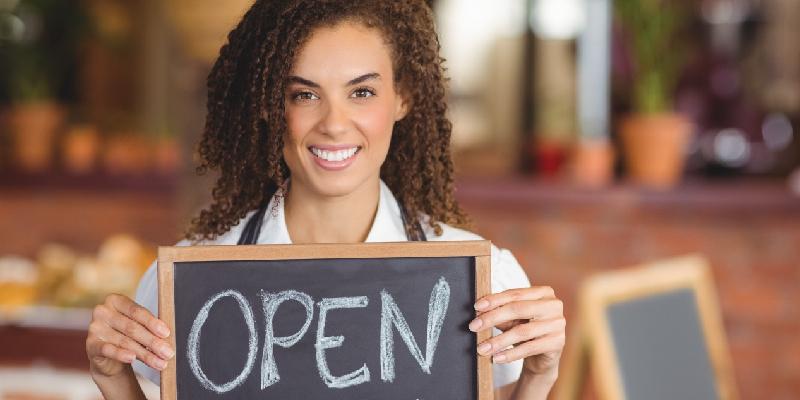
402	106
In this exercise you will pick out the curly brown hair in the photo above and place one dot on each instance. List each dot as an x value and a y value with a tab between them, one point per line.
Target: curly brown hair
245	125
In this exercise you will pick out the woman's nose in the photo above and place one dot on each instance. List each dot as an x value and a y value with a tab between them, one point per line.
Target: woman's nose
335	120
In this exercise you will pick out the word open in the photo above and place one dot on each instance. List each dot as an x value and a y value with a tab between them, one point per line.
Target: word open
390	317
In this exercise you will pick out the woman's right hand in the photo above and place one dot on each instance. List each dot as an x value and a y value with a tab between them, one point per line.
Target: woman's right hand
122	331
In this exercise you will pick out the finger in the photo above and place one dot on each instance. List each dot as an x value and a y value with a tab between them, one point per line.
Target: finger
495	300
97	348
545	344
526	309
134	331
130	309
123	342
521	333
504	326
108	350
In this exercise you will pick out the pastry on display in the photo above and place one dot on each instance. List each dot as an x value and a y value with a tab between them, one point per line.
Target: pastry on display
56	263
61	277
18	283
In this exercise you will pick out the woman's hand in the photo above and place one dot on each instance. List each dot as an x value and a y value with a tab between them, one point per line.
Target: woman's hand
532	321
122	331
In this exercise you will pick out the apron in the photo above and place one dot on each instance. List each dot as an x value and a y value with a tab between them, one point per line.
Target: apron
252	229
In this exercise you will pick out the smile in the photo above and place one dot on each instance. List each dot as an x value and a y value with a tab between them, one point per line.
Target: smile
334	155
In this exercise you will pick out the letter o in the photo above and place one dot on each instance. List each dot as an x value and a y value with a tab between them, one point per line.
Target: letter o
193	345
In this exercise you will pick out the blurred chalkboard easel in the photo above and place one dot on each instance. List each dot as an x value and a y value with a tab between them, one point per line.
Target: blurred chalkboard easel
650	332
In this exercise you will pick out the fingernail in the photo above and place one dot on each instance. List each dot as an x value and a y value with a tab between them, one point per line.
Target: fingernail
475	324
499	358
484	348
481	304
129	358
163	330
161	364
167	352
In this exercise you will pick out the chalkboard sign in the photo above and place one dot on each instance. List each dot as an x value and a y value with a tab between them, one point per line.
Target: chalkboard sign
354	321
655	332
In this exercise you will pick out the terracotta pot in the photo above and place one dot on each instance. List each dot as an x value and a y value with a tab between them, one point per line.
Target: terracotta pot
127	154
81	148
167	156
592	163
654	148
34	127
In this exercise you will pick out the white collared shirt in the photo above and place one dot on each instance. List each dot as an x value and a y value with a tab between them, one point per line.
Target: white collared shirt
386	227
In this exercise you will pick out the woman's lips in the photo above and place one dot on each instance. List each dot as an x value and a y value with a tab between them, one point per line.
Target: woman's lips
334	158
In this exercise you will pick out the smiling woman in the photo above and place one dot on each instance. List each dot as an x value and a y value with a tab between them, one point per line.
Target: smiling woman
332	116
336	75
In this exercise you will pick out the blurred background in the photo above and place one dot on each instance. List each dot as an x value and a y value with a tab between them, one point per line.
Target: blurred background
589	135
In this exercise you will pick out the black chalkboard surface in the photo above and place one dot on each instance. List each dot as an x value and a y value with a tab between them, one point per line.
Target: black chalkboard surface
361	321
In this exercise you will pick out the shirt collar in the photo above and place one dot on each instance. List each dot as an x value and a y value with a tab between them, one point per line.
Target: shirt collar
387	226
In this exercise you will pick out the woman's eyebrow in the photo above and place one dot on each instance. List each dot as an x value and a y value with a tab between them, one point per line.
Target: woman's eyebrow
354	81
365	77
302	81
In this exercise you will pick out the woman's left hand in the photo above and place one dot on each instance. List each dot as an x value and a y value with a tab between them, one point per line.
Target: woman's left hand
532	321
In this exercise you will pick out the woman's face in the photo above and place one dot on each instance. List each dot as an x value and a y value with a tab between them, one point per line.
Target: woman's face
341	106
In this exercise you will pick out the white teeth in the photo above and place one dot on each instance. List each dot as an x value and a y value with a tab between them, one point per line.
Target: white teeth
339	155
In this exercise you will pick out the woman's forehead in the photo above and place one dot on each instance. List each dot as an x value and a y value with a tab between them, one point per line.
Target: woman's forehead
343	52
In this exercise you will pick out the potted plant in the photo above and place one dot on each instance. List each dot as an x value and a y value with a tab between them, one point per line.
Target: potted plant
653	136
38	58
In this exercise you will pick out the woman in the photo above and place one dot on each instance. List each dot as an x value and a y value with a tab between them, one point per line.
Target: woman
326	121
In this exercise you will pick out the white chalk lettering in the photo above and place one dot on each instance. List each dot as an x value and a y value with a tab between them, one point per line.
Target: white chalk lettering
391	316
271	302
323	343
193	345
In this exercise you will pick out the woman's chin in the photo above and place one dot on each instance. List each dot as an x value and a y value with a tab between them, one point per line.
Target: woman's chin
336	186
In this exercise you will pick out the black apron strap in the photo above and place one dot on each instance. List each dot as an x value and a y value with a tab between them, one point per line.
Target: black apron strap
252	228
417	234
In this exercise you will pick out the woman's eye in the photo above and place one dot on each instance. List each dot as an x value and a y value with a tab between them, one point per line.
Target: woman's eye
363	92
304	96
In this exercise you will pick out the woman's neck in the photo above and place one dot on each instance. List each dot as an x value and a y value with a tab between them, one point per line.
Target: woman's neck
312	218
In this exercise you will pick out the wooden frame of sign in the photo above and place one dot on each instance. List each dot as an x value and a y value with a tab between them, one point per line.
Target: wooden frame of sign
605	289
167	256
